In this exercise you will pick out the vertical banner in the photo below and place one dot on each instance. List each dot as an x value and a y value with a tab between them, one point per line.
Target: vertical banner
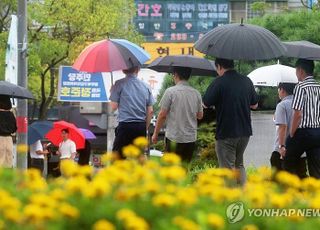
11	74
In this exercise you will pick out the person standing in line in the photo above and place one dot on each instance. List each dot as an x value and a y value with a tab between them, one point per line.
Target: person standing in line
8	126
67	148
282	119
305	126
133	99
181	108
37	156
233	95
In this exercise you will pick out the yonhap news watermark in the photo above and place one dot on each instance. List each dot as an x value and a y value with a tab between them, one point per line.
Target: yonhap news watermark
236	212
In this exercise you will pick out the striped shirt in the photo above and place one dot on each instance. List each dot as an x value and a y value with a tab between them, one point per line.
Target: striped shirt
306	98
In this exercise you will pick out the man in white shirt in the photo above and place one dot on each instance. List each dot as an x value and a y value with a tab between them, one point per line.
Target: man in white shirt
37	156
67	148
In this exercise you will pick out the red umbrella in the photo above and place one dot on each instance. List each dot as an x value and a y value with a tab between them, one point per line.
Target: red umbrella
110	55
75	134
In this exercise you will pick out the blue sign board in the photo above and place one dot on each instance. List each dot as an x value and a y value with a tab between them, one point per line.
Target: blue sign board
81	86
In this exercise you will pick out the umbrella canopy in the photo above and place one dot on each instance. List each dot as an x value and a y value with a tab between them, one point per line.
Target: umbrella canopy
272	75
37	130
88	134
302	49
110	55
14	91
199	66
75	134
241	42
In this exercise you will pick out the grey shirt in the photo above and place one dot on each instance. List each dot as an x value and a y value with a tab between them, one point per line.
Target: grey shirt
283	116
133	97
182	102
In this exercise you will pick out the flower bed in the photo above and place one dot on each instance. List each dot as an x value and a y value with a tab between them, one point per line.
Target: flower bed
151	195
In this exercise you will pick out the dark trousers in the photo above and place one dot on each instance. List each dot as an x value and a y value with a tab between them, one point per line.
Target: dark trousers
184	150
304	140
125	133
277	163
37	164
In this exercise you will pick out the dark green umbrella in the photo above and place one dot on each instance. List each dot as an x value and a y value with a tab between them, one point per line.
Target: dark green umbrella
199	66
302	49
14	91
241	42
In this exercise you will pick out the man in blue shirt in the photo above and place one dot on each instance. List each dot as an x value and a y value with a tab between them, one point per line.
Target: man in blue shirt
133	100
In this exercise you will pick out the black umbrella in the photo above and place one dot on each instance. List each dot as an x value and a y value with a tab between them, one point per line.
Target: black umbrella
199	66
241	42
14	91
302	49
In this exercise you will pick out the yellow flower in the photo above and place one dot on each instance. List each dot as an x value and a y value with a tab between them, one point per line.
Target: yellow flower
310	184
13	215
58	194
68	210
124	214
164	200
43	200
174	172
250	227
141	142
185	224
151	187
96	188
215	221
280	201
69	168
131	151
33	212
108	157
9	202
315	202
187	196
288	179
171	158
103	225
22	148
136	223
76	184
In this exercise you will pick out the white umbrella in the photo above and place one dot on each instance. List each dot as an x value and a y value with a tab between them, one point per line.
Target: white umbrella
272	75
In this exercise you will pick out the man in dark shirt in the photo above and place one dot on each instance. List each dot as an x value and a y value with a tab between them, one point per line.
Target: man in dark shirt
233	95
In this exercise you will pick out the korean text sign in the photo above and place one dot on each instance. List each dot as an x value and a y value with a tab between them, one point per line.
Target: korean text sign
81	86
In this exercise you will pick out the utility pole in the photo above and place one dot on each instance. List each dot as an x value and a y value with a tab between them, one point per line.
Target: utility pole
22	109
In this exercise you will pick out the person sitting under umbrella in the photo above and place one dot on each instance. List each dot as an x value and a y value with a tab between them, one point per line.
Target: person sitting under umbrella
134	100
8	126
67	148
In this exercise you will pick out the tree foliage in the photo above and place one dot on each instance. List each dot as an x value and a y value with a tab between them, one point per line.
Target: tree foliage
60	29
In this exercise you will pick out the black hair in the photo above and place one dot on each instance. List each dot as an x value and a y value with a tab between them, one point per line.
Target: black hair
65	130
224	63
131	70
183	72
5	102
306	65
288	87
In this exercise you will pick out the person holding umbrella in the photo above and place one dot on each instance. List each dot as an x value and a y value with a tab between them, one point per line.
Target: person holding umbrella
305	125
233	95
181	107
8	126
67	148
133	100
